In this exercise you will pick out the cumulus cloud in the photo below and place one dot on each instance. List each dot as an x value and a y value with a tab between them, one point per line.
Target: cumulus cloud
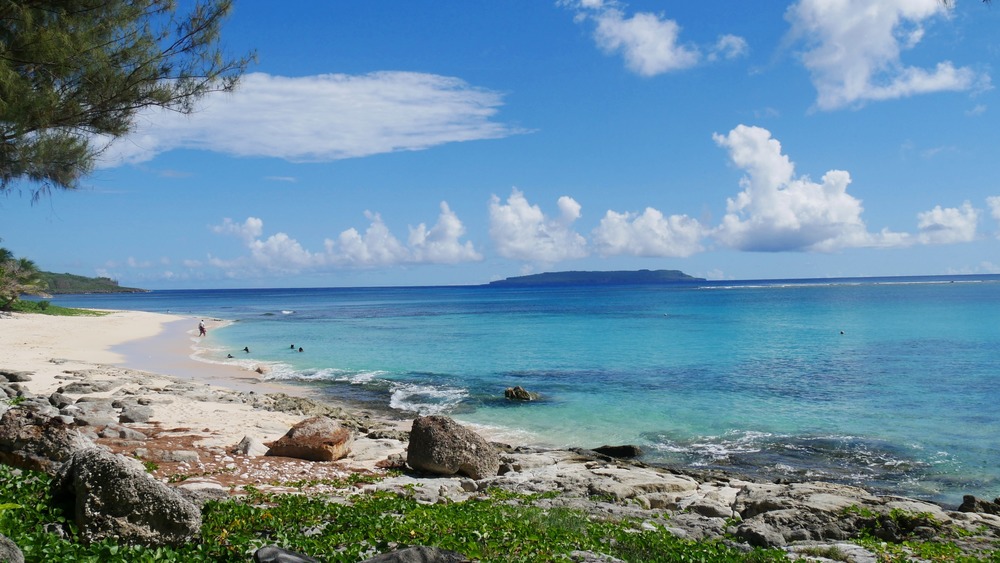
440	244
948	225
648	234
994	204
649	43
854	50
321	118
521	231
375	247
777	211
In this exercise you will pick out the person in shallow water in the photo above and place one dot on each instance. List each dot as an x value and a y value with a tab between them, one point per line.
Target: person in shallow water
201	329
246	349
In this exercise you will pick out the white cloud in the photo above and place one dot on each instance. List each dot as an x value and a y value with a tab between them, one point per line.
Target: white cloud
441	243
649	43
854	50
948	225
648	234
248	230
522	232
994	204
729	47
376	247
321	118
777	211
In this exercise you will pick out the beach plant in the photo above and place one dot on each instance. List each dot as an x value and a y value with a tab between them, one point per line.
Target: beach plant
18	276
496	526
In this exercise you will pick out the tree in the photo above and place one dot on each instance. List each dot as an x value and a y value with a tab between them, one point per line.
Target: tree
74	74
18	276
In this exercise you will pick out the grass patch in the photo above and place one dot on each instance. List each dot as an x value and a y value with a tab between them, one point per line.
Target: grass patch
495	527
47	308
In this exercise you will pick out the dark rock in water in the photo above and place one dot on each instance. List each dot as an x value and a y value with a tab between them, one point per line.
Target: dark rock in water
973	504
112	497
519	393
316	439
274	554
419	554
9	552
627	451
440	445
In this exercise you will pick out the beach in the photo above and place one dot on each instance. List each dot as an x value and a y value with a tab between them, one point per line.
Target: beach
201	410
198	420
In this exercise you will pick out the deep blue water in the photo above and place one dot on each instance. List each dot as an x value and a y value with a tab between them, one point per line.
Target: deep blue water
889	383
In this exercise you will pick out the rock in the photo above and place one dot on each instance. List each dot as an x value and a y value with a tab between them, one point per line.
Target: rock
9	552
40	443
135	413
620	452
519	393
111	497
117	431
316	439
250	447
168	456
275	554
387	434
87	387
14	376
59	401
419	554
973	504
440	445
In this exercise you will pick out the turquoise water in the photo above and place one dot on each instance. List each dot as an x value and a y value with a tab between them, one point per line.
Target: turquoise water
887	383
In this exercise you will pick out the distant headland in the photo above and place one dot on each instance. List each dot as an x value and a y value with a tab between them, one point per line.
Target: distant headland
628	277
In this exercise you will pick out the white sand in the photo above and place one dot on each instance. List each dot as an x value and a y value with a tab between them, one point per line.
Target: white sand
49	346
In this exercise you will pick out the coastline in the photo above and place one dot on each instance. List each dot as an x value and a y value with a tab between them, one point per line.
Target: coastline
199	417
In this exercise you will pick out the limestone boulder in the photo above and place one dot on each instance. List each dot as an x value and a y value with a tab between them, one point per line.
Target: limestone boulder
111	497
440	445
33	441
315	439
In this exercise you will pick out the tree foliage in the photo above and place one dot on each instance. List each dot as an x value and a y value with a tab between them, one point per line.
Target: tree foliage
18	276
74	74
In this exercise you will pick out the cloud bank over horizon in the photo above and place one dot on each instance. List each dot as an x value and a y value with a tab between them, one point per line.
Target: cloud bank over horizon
776	210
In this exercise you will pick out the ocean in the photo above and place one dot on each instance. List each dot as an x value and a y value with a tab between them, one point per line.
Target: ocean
887	383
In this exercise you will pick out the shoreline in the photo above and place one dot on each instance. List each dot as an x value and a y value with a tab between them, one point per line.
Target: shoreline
192	440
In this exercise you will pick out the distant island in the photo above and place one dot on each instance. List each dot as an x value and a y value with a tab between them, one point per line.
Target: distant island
631	277
61	284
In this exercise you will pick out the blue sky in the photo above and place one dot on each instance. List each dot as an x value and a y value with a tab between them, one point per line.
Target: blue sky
414	143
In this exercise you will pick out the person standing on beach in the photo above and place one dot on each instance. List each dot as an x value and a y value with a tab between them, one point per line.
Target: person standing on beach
201	329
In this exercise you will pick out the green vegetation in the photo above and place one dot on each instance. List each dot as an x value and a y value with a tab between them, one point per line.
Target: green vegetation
46	308
638	277
496	527
69	283
18	276
74	74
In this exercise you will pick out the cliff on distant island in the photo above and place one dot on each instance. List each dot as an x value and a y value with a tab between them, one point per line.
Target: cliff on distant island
69	283
630	277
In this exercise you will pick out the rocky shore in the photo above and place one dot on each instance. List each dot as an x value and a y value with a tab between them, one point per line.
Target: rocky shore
183	442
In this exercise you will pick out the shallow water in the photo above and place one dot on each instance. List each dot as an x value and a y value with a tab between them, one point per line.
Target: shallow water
880	383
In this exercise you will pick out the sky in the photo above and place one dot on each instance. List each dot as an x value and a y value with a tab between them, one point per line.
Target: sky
417	142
